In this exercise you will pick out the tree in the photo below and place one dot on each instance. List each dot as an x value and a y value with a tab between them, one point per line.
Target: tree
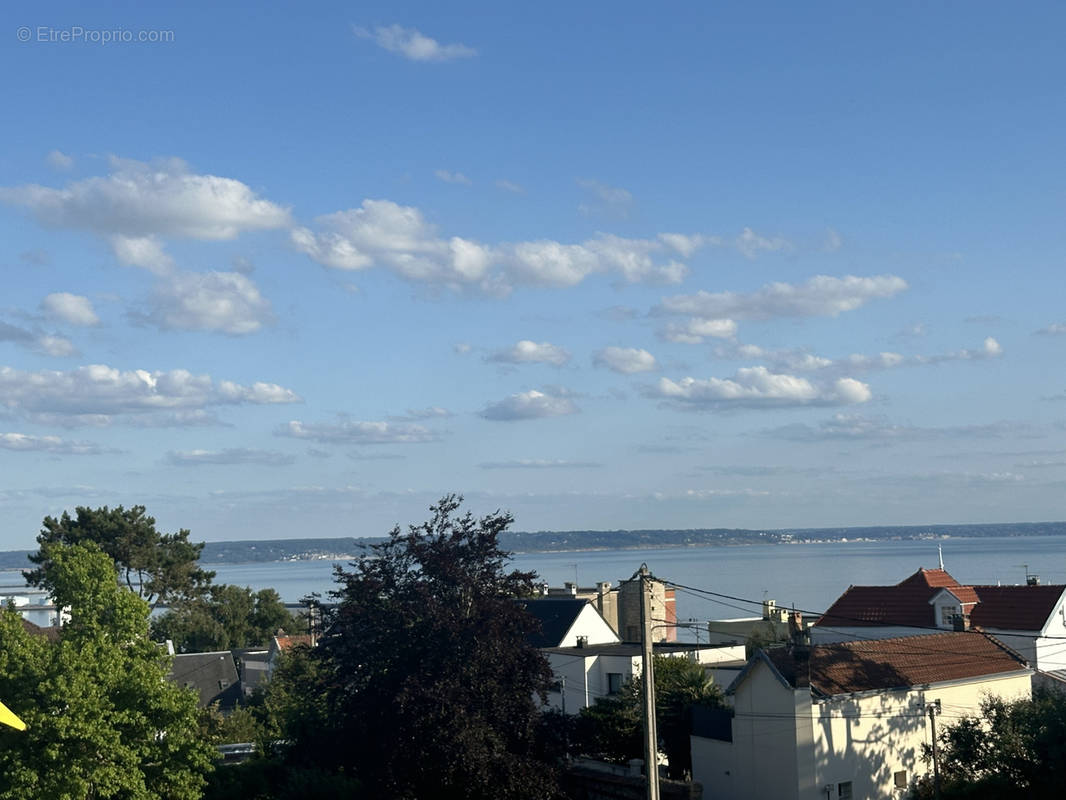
1010	749
102	721
225	618
160	567
429	680
612	727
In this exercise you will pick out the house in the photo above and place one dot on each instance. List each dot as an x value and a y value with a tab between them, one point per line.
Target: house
586	672
568	622
213	676
282	643
253	667
620	606
848	719
1029	618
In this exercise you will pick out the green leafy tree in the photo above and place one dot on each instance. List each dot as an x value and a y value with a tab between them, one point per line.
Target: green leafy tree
428	677
224	618
159	567
102	721
612	727
1011	749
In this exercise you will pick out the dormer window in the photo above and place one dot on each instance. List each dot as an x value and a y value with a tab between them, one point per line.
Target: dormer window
948	614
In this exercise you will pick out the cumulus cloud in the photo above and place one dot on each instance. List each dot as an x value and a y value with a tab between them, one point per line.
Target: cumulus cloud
604	200
381	233
539	463
146	252
228	456
757	387
751	244
413	45
452	177
59	161
821	296
139	200
625	360
529	352
697	329
224	302
530	405
685	245
26	443
360	433
99	394
70	308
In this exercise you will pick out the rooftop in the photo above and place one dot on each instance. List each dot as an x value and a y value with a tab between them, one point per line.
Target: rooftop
849	667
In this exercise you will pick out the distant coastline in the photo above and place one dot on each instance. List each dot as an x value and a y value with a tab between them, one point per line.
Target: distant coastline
348	548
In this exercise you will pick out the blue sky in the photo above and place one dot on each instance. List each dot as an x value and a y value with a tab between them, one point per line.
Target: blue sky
299	272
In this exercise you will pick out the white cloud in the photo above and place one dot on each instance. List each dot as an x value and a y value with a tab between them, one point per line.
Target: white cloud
685	244
362	433
452	177
57	346
697	329
141	251
625	360
461	348
141	200
413	45
750	244
798	360
22	442
528	352
432	412
71	308
539	463
99	394
59	161
530	405
225	302
605	200
757	387
399	238
510	186
821	296
833	241
233	455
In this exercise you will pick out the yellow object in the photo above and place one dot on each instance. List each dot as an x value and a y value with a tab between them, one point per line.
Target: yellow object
7	717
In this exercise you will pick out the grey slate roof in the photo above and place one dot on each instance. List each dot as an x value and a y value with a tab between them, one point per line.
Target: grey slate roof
213	676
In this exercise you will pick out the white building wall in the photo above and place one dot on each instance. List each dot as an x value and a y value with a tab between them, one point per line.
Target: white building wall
591	625
867	739
786	747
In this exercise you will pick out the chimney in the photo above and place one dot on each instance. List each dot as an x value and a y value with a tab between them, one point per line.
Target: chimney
571	588
1032	580
799	639
960	622
582	641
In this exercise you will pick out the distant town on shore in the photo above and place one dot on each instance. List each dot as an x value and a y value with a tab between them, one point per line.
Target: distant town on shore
346	547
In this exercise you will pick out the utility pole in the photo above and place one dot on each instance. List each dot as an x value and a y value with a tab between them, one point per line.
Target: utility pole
934	709
651	737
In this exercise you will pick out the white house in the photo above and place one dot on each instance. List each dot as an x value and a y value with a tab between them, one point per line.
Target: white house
588	672
588	658
845	720
1031	618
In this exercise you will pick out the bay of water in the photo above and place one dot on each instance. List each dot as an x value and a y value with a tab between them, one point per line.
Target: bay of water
809	576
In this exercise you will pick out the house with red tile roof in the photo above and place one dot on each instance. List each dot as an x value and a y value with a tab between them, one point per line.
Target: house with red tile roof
846	720
1029	618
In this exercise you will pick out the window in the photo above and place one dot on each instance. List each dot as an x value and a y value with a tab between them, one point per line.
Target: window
947	615
614	682
901	779
223	684
844	790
